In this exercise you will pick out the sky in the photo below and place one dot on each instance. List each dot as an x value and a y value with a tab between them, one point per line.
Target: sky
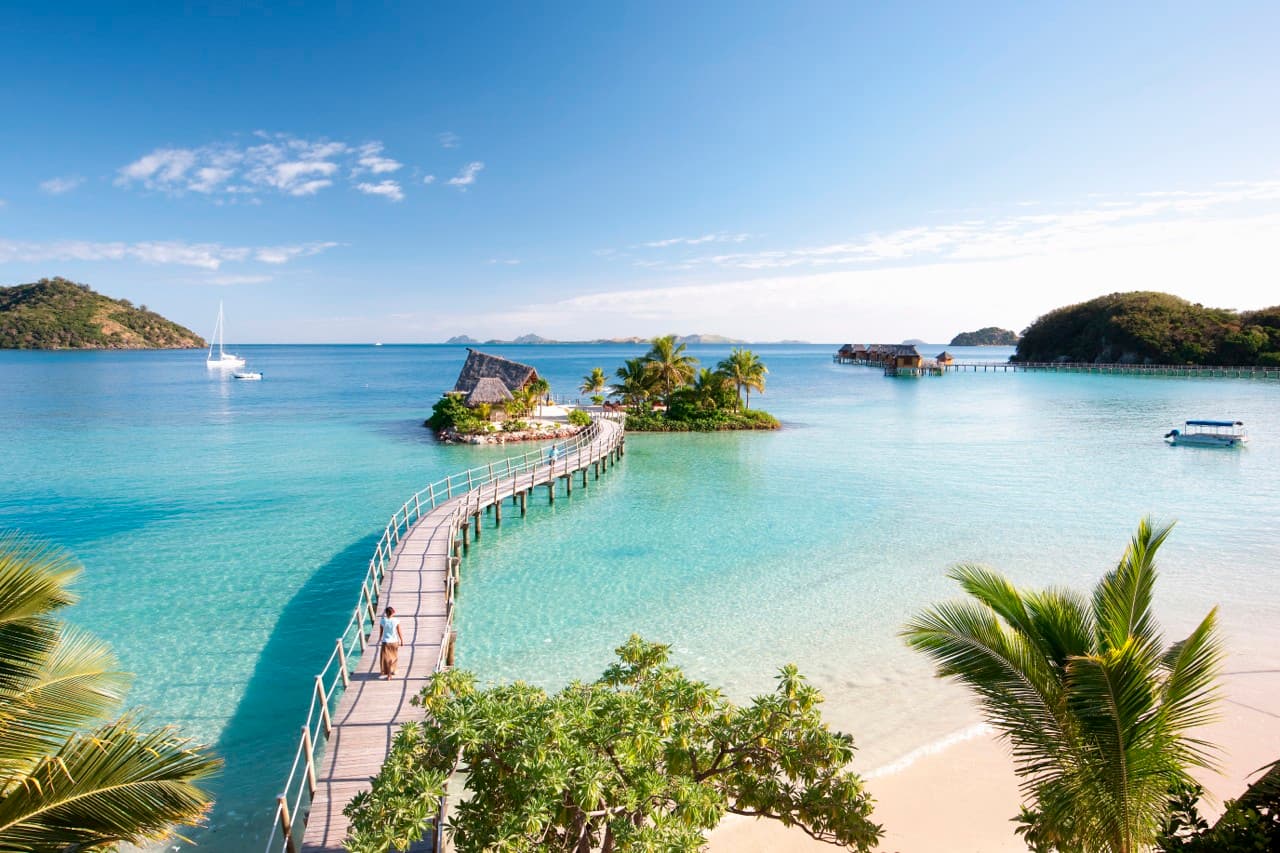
830	172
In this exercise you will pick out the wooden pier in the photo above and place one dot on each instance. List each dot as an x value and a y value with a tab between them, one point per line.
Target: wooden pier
416	570
1189	370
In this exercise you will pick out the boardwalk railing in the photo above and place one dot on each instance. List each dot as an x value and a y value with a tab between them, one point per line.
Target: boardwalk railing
1198	370
468	489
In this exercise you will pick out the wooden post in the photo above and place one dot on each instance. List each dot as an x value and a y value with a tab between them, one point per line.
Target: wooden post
466	537
523	507
286	827
476	519
568	484
324	706
342	663
595	468
497	514
452	640
360	627
308	749
584	477
551	490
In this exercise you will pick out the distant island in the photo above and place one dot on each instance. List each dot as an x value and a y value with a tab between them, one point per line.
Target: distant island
1146	327
54	313
914	342
467	340
988	336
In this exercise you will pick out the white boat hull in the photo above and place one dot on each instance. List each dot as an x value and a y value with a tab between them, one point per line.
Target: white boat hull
227	362
1210	440
251	376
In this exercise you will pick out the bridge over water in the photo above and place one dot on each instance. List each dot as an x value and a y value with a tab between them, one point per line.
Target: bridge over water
415	568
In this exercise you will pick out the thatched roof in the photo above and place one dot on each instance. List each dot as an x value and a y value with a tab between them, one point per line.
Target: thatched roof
944	356
488	390
512	374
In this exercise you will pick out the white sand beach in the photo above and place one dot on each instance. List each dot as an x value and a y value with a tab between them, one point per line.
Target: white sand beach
961	799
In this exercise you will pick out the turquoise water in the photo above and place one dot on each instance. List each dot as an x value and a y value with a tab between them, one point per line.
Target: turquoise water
224	526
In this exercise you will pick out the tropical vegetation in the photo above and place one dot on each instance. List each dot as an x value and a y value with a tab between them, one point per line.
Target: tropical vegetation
666	391
1249	823
1153	328
644	758
1099	711
595	382
54	313
72	775
987	336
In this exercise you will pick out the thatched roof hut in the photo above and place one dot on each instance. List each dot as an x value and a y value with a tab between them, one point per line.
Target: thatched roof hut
512	375
488	390
945	357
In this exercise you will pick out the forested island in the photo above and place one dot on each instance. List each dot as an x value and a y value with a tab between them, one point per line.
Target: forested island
1147	327
54	313
988	336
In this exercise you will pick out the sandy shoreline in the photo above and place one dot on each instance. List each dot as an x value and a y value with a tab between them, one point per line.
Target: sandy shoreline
960	799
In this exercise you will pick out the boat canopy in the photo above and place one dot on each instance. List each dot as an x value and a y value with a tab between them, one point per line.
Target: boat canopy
1216	423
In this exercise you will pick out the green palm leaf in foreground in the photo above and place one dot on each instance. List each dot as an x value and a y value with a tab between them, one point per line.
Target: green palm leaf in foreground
1097	710
69	777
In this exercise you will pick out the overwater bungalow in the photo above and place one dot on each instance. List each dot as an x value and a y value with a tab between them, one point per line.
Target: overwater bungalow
491	379
944	358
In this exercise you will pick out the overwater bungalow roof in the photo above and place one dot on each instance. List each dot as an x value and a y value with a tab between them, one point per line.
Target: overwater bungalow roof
481	365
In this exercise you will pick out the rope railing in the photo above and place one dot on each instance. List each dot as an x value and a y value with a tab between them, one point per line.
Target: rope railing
467	492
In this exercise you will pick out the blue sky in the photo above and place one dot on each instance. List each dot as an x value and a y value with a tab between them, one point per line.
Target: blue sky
825	171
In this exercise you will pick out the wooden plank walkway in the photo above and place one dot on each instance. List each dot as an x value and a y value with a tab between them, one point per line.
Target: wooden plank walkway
418	585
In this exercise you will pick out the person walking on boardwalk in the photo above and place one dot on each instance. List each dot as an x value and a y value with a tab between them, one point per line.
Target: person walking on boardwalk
391	638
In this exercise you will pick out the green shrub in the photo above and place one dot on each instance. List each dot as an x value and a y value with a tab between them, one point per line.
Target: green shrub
514	426
577	417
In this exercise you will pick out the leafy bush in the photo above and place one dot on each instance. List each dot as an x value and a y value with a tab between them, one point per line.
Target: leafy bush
708	420
577	417
515	425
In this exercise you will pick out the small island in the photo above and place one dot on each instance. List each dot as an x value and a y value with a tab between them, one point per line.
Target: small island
666	391
55	313
1147	327
988	336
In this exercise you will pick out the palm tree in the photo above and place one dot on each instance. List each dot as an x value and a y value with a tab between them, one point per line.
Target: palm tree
594	382
69	779
540	388
669	365
707	386
745	371
1096	708
637	381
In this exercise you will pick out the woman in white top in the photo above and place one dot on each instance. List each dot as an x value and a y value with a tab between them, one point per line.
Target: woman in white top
391	638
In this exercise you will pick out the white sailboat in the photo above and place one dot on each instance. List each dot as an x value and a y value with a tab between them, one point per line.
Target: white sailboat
224	360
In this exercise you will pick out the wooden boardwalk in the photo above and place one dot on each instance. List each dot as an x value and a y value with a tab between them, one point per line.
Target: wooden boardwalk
419	583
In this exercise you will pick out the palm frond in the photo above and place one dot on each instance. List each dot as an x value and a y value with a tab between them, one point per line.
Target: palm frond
1122	599
116	784
33	584
78	686
1190	690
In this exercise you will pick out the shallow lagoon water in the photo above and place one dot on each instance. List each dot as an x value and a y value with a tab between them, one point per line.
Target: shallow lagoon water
224	526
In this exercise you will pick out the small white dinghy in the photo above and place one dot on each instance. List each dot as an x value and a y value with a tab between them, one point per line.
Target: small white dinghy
1209	434
252	375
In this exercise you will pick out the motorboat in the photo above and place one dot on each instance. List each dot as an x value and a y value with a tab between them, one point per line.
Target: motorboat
251	375
1209	434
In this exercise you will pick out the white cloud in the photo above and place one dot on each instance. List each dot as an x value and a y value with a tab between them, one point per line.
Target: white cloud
449	139
387	189
208	256
510	262
467	176
718	237
1219	247
58	186
372	160
274	163
429	179
232	280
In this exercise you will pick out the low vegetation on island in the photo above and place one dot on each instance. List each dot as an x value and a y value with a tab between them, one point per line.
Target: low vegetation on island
666	391
1145	327
988	336
54	313
73	774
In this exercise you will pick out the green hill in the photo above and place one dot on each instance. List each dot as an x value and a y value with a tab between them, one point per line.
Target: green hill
988	336
54	313
1145	327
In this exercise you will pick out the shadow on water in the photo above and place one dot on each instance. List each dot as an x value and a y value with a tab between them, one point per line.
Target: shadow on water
259	740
